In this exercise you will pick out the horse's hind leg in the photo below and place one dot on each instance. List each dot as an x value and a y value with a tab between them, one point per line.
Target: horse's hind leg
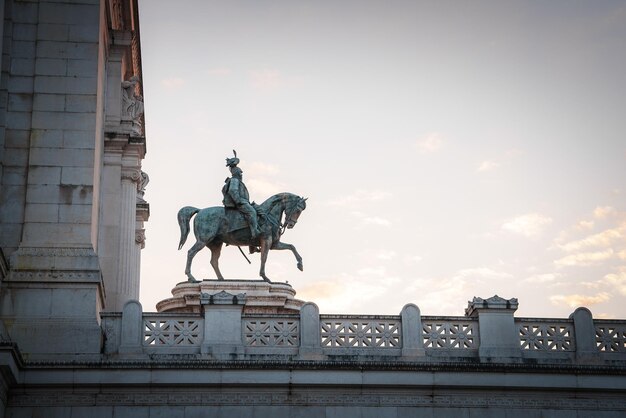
216	250
190	255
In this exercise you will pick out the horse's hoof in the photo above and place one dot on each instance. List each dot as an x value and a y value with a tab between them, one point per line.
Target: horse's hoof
264	277
300	267
192	280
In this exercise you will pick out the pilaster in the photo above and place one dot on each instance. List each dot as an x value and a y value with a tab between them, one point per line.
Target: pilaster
222	325
119	249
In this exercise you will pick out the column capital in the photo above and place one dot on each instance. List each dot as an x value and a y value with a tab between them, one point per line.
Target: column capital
140	237
131	173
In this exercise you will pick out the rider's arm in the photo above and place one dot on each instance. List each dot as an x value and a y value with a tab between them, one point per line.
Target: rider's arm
233	191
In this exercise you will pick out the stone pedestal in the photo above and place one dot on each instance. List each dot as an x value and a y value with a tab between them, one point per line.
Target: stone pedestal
499	338
260	297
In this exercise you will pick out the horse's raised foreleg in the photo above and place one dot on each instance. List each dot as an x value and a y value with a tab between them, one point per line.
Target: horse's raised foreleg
190	255
265	249
216	250
284	246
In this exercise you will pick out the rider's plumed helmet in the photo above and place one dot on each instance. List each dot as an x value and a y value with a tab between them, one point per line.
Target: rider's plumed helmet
233	161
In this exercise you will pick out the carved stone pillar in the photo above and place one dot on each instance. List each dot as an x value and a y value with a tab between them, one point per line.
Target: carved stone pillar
127	271
142	215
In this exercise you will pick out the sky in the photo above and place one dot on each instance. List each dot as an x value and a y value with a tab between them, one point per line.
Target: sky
447	149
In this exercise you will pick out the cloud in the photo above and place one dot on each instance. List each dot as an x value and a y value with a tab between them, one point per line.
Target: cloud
483	272
379	271
264	188
488	166
360	196
602	212
542	278
172	83
528	225
584	259
622	254
616	280
430	143
584	225
603	239
320	290
575	300
259	179
371	220
386	255
219	72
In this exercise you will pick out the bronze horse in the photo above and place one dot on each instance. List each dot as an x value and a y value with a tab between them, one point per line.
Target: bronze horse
217	225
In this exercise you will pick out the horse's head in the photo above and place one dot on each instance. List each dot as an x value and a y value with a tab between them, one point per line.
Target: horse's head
293	210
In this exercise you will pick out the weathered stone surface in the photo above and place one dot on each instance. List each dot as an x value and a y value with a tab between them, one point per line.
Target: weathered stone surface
261	297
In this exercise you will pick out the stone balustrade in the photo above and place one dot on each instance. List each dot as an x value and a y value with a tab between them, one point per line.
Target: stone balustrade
488	333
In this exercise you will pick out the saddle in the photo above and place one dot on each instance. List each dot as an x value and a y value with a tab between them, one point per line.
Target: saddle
236	221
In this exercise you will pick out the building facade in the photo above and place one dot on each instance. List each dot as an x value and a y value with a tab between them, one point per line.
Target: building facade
74	342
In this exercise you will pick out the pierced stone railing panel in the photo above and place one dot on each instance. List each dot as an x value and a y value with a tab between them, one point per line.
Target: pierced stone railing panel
610	336
164	331
271	331
360	331
551	335
450	333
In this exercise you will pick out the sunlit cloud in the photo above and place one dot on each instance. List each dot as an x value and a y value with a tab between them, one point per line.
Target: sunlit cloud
622	254
360	196
264	188
386	255
488	166
173	83
576	300
371	220
320	290
528	225
585	225
542	278
617	280
584	259
483	272
602	212
372	271
430	143
603	239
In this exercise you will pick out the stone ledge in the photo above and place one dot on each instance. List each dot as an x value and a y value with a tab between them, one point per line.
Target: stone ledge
260	297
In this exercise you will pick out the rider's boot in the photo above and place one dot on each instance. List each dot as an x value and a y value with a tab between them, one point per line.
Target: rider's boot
254	227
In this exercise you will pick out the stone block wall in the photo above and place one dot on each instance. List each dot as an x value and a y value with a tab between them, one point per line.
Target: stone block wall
68	154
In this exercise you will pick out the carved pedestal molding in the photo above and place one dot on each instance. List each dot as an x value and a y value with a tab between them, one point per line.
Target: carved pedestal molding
261	296
498	335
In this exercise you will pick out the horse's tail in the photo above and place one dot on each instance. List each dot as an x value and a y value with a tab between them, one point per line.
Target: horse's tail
184	215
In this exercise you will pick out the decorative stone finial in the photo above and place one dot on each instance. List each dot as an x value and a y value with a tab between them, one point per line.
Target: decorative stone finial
494	302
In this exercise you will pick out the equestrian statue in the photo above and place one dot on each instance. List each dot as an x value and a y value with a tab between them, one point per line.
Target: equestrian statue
241	222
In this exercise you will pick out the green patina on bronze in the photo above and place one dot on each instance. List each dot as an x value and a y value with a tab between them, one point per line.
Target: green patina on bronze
241	223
